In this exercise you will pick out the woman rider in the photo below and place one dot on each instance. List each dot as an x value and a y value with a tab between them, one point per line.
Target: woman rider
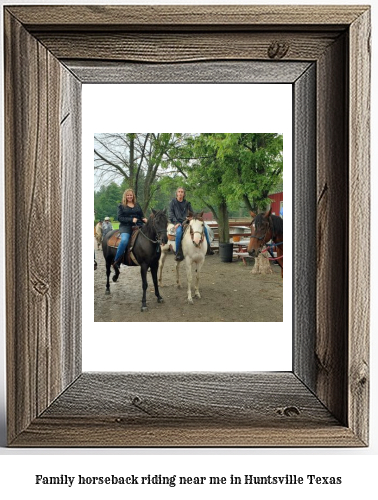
178	210
129	214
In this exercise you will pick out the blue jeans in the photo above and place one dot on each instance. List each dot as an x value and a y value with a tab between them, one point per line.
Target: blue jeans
179	236
125	237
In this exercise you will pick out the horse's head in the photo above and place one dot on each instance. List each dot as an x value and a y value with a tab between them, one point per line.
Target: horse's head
261	232
197	228
160	221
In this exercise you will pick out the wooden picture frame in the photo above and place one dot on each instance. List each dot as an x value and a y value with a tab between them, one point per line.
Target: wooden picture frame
49	52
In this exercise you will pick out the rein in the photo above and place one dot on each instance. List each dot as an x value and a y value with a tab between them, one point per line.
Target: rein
156	232
273	245
147	238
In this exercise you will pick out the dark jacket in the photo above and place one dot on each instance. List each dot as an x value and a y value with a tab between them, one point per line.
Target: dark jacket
126	216
178	210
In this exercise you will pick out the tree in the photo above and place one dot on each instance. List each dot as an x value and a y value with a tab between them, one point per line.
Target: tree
205	172
254	167
106	201
132	158
222	169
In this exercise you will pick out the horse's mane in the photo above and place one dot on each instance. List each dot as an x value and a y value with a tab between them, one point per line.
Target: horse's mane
276	220
196	215
148	226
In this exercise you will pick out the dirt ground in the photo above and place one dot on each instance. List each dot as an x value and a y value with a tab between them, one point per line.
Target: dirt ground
229	292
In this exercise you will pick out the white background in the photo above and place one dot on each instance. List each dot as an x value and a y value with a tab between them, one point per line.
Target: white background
208	346
356	466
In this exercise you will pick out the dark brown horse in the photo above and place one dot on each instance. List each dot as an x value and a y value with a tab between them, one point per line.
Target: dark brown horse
266	227
146	250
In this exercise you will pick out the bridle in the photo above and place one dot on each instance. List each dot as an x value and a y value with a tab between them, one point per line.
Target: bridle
192	233
263	239
158	233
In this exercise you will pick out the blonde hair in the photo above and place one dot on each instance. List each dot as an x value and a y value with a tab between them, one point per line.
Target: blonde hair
124	199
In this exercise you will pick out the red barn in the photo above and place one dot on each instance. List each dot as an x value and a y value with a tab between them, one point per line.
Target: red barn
277	202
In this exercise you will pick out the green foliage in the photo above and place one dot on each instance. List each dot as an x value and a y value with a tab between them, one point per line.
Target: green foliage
106	201
226	173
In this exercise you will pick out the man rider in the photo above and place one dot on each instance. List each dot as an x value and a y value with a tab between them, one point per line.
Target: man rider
178	210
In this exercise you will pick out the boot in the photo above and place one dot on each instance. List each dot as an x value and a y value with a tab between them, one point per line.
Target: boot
116	263
179	255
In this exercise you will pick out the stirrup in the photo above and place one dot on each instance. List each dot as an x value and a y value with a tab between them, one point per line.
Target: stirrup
179	256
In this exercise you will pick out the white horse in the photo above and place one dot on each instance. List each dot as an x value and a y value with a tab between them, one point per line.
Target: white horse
194	248
171	247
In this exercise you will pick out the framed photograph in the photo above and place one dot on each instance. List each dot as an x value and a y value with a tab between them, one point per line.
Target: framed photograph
324	53
230	291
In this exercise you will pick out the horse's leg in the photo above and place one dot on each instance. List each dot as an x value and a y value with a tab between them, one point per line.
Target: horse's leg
154	272
280	261
143	273
196	287
189	278
107	261
178	273
117	272
161	265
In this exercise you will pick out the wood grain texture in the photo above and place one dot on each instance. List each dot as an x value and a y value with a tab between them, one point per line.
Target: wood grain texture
324	402
180	47
215	396
304	224
100	432
71	202
33	193
200	72
332	233
359	210
197	409
184	16
34	187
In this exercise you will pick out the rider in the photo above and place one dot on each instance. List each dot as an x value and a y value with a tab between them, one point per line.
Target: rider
106	226
129	214
178	210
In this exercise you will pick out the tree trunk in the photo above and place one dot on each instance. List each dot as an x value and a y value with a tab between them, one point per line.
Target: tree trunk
262	265
248	204
223	224
133	181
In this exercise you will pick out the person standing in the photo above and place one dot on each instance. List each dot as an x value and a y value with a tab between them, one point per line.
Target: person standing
178	210
106	226
129	214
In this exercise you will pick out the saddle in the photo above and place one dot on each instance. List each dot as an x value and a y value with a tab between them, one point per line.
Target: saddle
171	233
128	258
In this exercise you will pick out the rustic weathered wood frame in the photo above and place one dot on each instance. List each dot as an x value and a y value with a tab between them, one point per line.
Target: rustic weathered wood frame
49	52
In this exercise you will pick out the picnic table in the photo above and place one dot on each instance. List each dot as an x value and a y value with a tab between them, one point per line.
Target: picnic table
240	250
241	245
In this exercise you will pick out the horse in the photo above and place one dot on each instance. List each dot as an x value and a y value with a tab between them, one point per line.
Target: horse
98	234
145	249
266	227
194	248
171	246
